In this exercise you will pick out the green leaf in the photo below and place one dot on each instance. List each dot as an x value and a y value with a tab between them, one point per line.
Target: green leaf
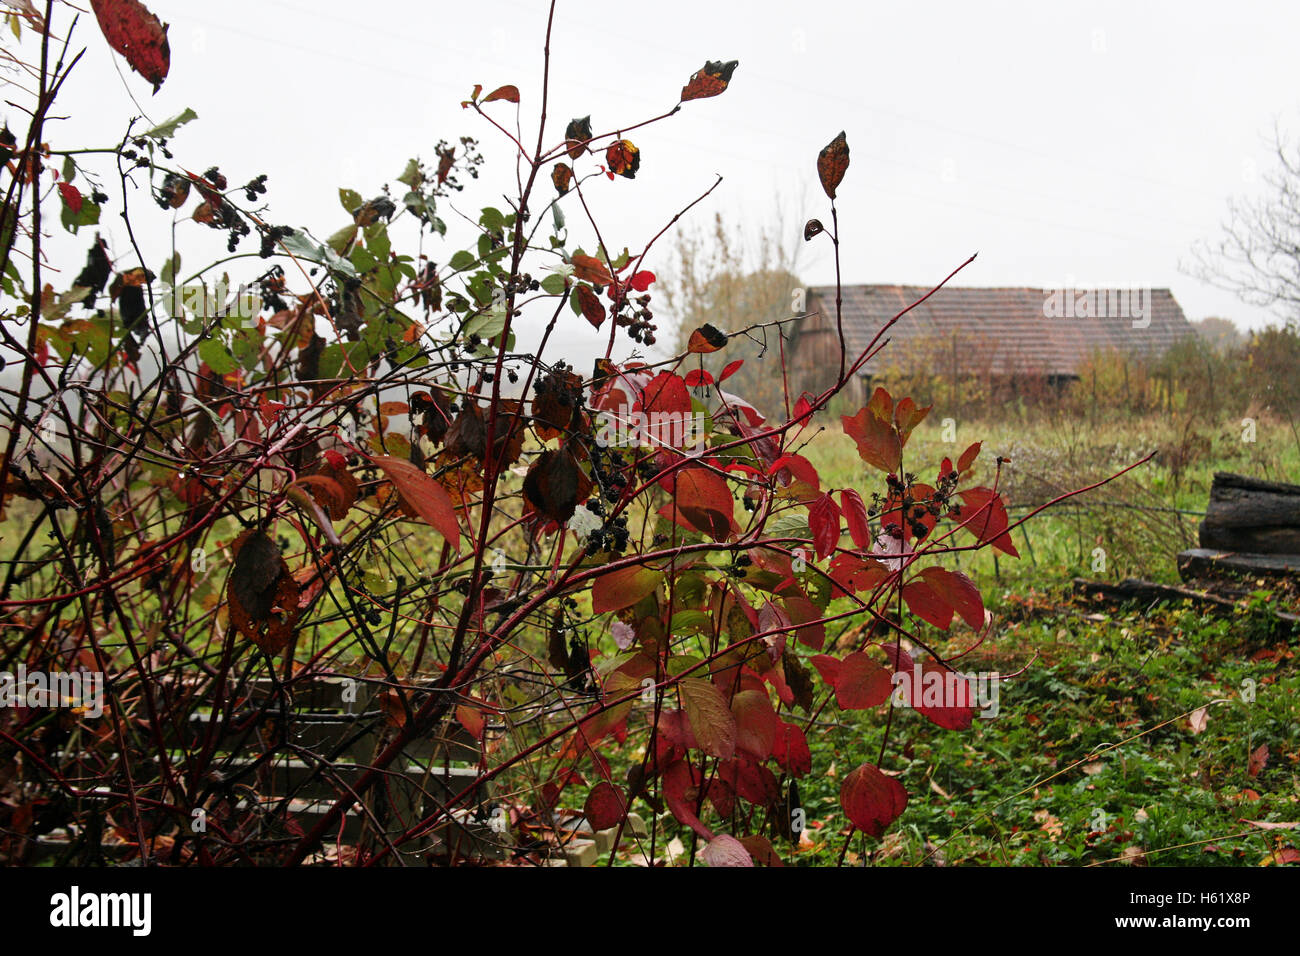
553	284
69	169
167	128
492	220
89	216
214	352
462	260
377	241
411	175
486	325
350	199
302	246
170	268
342	239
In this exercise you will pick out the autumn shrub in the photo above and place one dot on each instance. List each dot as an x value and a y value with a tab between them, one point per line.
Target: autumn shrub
618	588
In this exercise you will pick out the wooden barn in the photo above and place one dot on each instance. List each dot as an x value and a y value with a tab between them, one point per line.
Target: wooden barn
1014	335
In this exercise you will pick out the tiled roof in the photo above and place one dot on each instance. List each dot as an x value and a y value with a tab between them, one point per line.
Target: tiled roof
1003	330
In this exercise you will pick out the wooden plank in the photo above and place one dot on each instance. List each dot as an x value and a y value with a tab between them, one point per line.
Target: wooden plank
1251	514
1213	562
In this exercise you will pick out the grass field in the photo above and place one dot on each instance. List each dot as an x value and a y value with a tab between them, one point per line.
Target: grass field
1092	758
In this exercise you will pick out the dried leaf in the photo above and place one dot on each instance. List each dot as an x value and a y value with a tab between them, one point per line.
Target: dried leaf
832	162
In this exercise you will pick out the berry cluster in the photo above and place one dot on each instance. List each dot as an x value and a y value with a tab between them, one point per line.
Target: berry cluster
270	236
255	187
635	316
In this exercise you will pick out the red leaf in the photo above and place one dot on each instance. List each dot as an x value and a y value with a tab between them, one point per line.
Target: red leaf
698	378
590	306
606	806
832	163
508	93
666	394
859	681
877	441
137	35
704	499
791	750
731	369
681	790
71	197
871	800
855	514
1258	761
824	520
968	457
623	588
958	592
984	515
425	496
907	416
640	281
925	603
756	723
856	574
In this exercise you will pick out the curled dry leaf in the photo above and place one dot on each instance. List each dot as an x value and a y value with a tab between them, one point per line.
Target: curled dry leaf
623	158
812	228
832	162
709	80
562	177
262	593
576	136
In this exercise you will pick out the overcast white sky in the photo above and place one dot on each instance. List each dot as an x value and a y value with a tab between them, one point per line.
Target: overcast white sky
1092	142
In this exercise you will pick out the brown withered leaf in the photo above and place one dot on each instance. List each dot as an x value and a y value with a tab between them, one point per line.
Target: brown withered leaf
710	80
557	401
797	679
262	593
590	269
467	434
555	484
576	135
812	228
832	162
562	177
434	409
